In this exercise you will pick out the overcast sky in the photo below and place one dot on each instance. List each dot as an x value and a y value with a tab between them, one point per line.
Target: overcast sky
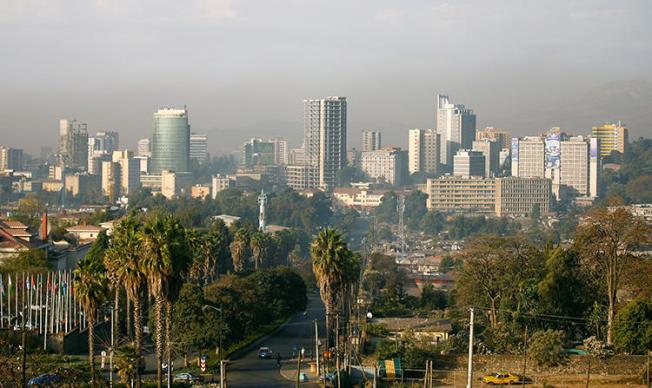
243	66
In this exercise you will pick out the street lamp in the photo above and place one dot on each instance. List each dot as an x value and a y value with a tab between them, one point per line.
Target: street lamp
206	307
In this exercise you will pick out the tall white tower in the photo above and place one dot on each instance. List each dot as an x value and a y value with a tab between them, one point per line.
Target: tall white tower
262	200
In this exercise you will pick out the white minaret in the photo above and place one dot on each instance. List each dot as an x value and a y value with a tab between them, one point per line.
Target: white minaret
262	200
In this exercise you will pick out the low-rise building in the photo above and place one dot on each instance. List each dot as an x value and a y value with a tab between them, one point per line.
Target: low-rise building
458	194
176	184
220	183
85	232
358	198
200	191
519	196
296	176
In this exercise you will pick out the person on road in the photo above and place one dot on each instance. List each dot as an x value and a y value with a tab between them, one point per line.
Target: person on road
278	360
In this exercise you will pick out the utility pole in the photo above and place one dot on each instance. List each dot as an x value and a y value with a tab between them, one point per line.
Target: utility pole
317	345
222	374
337	349
524	356
299	367
469	377
24	360
111	354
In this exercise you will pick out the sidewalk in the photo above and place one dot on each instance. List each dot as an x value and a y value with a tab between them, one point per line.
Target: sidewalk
289	371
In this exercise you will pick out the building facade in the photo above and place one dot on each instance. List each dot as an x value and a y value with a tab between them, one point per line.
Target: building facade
129	172
176	184
519	196
490	149
455	194
611	137
144	148
388	164
528	157
199	148
371	140
73	144
502	137
456	128
424	151
11	159
220	183
324	126
170	141
467	163
281	150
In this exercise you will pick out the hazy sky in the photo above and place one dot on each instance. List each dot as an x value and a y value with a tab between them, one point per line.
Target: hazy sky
243	66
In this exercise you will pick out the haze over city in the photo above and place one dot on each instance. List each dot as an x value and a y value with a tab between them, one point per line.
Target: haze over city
244	67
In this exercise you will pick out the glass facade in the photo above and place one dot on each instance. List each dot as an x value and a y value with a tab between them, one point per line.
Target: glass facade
170	141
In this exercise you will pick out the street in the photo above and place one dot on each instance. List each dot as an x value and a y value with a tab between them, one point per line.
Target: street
247	370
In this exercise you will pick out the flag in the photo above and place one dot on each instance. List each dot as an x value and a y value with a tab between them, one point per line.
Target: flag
10	285
27	283
33	282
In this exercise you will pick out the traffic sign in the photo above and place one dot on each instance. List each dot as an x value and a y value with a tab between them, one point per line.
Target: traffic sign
202	363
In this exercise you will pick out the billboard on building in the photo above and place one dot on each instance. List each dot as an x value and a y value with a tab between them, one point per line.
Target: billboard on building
553	150
514	149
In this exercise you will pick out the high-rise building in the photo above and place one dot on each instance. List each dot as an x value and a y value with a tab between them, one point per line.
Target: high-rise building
170	141
424	151
502	137
467	163
491	151
456	127
296	176
594	167
611	137
129	172
11	158
519	196
111	180
528	157
371	140
144	148
574	166
281	150
176	184
100	148
388	164
297	156
257	152
324	126
73	144
199	148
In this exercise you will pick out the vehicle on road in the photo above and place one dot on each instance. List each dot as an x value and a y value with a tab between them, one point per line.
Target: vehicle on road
44	380
501	378
328	376
186	377
265	352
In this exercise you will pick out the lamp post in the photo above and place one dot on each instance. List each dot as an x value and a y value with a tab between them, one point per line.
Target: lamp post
206	307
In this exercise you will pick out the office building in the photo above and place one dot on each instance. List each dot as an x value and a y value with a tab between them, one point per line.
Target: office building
151	182
519	196
456	128
424	152
387	164
467	163
359	198
371	140
490	149
574	166
176	184
281	150
100	148
296	176
129	172
257	152
199	148
456	194
144	148
502	137
220	183
11	159
81	184
73	144
611	137
200	191
111	180
297	156
324	125
170	141
594	167
528	157
143	162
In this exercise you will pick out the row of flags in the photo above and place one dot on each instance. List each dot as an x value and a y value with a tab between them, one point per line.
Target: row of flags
31	284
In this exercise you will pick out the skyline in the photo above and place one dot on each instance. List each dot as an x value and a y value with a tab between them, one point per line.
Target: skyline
243	68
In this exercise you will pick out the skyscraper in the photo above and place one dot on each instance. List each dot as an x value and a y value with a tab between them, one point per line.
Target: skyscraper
11	158
73	144
424	151
199	148
528	157
170	141
324	129
371	140
281	150
129	171
100	148
456	127
611	137
491	151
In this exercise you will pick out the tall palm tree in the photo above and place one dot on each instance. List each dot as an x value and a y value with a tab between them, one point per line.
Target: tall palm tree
122	261
334	266
261	249
90	289
165	262
240	250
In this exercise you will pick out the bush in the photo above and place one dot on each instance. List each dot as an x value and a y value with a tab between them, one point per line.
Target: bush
632	331
546	347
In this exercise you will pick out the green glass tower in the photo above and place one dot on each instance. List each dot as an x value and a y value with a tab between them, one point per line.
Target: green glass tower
170	141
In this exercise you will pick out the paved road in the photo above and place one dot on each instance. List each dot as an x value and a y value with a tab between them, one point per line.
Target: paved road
247	370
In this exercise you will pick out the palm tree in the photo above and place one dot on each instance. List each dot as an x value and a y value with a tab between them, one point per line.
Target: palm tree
165	261
334	266
261	249
90	289
122	261
240	250
127	361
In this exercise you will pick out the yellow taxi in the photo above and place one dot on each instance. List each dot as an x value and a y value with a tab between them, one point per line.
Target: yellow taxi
501	378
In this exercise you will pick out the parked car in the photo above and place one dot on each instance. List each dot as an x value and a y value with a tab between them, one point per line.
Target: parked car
501	378
186	377
44	380
265	352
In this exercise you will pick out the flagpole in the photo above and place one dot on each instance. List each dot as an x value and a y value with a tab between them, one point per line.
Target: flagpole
2	310
16	294
22	306
45	329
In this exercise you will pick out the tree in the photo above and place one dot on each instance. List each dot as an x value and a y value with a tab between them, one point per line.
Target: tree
633	327
387	211
262	249
32	260
546	347
127	362
240	250
639	190
90	289
606	242
433	222
336	268
123	263
415	208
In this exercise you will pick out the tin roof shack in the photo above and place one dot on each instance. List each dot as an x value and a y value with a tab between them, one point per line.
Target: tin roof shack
429	329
